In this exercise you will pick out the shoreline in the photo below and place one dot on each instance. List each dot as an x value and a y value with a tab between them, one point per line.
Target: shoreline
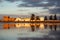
45	21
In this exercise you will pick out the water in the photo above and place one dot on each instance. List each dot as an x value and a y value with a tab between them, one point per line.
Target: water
29	31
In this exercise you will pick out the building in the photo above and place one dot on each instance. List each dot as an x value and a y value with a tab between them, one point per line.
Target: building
6	26
6	18
19	19
27	19
12	19
22	19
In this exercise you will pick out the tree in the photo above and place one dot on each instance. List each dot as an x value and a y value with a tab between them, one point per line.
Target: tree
32	16
55	17
51	17
37	18
45	18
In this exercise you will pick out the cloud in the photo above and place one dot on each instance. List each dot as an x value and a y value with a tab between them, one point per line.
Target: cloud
1	0
39	3
32	3
57	8
12	0
9	0
56	2
55	11
36	3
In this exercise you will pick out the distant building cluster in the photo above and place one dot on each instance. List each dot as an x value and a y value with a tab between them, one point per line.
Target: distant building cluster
7	18
32	18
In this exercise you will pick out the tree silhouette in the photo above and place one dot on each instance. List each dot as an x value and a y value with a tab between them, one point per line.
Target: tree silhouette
55	17
32	16
37	18
45	18
50	27
32	27
37	26
51	17
55	27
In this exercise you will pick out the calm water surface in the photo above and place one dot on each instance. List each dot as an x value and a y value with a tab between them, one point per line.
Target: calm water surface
32	26
27	31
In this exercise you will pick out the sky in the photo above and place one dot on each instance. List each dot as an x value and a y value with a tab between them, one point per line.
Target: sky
26	7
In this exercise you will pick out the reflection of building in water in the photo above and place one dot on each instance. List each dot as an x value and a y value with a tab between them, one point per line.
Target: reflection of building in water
6	26
25	25
32	26
17	25
11	25
41	26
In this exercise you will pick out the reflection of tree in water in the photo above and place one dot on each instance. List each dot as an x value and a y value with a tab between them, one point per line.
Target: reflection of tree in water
32	27
51	17
55	17
45	26
55	27
59	26
50	27
37	26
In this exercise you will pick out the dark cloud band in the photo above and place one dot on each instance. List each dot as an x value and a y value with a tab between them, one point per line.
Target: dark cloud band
38	3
